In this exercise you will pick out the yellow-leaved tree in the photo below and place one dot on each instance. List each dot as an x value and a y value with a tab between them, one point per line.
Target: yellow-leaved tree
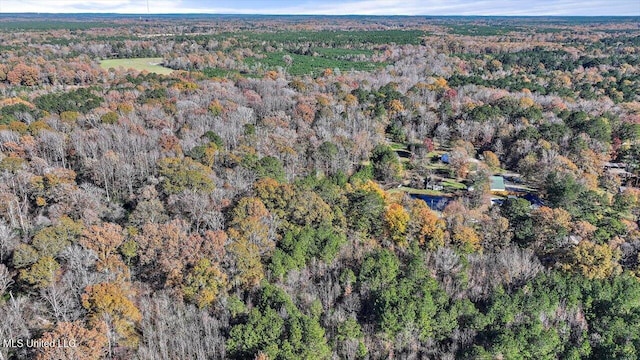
251	238
592	260
203	283
396	219
466	238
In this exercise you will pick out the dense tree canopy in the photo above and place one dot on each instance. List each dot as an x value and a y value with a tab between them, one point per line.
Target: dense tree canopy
206	187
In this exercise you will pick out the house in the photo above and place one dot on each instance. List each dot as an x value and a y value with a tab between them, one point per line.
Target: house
497	184
620	172
612	165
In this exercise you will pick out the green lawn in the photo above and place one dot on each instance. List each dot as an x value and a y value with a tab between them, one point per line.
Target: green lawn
414	191
437	166
148	64
452	184
397	146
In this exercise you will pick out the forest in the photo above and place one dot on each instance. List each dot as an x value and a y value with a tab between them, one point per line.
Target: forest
319	187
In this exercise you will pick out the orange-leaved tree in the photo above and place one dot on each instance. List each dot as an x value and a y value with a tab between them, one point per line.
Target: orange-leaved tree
111	303
425	226
74	341
105	239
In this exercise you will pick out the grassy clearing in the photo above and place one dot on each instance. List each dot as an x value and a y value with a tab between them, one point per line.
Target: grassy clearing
437	167
414	191
141	64
452	184
397	146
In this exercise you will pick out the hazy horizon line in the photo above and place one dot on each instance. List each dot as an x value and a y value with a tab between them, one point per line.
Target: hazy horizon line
325	15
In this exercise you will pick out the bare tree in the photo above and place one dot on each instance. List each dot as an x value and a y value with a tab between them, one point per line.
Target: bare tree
5	279
448	266
517	265
16	316
8	240
173	330
61	300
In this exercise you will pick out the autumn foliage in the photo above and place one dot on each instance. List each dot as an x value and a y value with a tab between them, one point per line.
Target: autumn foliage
320	187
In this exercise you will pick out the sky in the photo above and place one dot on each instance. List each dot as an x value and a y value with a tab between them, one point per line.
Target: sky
334	7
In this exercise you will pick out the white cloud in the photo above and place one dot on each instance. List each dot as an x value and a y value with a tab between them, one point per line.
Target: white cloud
466	7
75	6
335	7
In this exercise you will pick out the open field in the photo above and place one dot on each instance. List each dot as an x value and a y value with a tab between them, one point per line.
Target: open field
148	64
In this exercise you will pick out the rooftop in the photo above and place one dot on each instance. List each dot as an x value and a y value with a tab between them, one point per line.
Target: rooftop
497	183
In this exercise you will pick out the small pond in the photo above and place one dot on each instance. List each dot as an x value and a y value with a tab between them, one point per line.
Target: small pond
533	198
435	202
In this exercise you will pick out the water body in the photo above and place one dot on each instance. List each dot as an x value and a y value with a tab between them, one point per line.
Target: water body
533	198
434	202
